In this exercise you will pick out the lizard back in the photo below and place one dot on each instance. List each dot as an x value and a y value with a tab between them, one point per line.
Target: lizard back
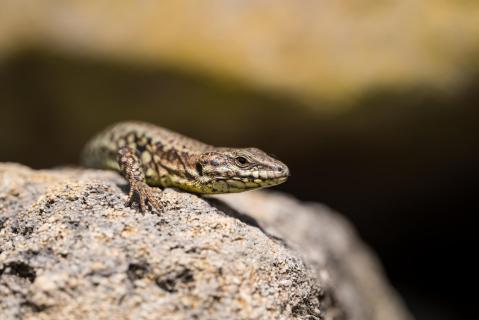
101	151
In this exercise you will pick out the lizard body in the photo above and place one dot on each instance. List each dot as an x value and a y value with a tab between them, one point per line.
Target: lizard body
151	156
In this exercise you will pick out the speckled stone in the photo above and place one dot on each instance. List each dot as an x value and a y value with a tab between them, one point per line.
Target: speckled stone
70	249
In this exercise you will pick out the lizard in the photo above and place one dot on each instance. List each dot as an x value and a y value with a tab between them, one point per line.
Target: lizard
150	156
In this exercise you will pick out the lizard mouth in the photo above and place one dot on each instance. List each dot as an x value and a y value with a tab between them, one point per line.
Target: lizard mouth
221	184
241	184
250	180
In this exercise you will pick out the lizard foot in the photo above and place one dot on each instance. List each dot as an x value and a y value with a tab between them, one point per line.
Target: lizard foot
131	168
145	193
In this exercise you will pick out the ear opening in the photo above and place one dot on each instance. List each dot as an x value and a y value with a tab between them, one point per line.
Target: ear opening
199	168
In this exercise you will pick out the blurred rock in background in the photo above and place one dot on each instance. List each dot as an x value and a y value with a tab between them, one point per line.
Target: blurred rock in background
373	105
314	50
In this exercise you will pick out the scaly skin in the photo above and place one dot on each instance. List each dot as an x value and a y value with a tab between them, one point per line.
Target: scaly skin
148	155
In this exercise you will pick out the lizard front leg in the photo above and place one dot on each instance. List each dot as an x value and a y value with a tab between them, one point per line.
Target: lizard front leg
131	169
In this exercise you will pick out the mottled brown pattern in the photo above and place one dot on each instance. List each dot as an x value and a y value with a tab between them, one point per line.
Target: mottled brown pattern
148	155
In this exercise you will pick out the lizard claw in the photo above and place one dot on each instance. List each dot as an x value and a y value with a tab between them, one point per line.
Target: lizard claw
145	193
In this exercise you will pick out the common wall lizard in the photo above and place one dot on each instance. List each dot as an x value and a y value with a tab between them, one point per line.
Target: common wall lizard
150	156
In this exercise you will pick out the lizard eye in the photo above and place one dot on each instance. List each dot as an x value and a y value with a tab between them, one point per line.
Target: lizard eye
241	161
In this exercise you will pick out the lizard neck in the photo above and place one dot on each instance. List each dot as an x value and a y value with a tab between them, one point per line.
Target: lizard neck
169	166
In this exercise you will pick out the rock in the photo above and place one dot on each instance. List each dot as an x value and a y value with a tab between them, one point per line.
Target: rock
314	50
69	249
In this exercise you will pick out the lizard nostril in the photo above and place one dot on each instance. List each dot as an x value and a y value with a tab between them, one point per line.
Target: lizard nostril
279	169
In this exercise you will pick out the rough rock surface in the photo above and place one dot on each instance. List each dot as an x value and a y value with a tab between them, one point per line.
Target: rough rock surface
69	249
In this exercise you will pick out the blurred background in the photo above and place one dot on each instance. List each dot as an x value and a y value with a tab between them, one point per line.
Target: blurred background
372	104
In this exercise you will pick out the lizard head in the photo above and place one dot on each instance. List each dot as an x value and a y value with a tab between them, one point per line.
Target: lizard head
234	170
